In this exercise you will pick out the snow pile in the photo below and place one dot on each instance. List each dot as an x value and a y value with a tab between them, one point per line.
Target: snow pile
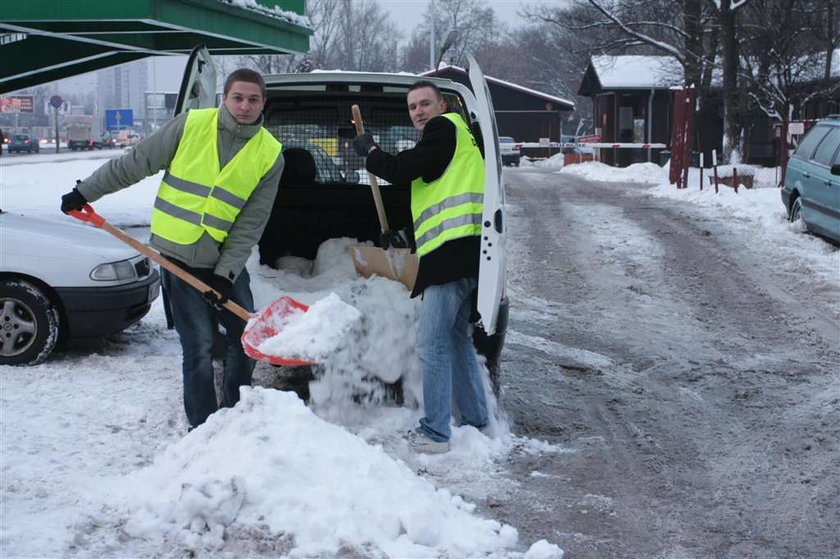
378	348
312	335
556	161
638	172
251	480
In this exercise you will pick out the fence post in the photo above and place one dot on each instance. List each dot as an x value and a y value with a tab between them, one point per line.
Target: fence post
735	178
701	170
714	168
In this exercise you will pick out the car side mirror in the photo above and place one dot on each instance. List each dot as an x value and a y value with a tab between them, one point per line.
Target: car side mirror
835	169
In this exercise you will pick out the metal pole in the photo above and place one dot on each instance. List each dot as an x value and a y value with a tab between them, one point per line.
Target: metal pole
432	45
57	139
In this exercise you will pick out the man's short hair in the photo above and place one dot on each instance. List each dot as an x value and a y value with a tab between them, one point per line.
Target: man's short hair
245	75
426	83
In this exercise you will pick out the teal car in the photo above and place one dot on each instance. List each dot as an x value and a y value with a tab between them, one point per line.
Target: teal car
811	189
24	142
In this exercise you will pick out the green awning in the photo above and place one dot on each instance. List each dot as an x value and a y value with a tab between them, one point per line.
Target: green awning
46	40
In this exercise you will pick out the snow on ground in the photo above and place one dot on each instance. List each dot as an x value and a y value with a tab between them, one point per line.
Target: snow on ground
96	461
757	215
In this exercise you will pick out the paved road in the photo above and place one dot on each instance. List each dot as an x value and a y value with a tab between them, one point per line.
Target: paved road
698	398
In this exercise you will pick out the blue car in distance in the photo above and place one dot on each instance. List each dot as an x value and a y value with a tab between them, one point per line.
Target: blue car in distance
811	190
24	142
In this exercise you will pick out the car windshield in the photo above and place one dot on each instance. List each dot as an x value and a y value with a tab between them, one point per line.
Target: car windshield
20	138
505	140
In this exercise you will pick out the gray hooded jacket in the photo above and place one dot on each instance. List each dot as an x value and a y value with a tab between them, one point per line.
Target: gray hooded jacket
155	153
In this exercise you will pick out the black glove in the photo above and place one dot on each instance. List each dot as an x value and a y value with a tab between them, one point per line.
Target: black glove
73	200
390	238
223	286
363	144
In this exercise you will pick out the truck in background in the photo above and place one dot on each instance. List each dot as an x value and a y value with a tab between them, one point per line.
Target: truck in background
80	132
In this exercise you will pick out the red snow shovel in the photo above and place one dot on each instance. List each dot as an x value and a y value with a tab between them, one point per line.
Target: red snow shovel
261	326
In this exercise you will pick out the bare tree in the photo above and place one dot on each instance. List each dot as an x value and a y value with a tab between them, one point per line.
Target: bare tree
474	22
347	34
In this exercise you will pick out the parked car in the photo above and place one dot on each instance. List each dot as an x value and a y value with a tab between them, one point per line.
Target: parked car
24	142
127	139
301	106
511	150
63	281
811	189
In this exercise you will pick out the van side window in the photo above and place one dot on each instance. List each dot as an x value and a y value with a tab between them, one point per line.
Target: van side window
810	141
827	147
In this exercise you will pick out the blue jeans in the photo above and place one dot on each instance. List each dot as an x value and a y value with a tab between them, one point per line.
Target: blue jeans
196	321
448	360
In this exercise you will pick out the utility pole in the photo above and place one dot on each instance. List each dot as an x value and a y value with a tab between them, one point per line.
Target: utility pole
432	46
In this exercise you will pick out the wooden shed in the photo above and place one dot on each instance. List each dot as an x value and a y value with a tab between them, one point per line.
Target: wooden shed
631	102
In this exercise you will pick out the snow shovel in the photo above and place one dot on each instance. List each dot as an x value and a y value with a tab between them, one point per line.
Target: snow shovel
398	264
261	325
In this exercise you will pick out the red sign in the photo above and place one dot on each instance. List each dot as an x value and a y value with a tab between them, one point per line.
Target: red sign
16	104
593	139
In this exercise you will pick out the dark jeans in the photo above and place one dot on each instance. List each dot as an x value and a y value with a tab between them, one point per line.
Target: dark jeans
195	321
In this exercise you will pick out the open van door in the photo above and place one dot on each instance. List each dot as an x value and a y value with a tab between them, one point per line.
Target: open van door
491	274
198	86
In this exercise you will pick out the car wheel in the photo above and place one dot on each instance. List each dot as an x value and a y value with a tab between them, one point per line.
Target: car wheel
28	324
795	216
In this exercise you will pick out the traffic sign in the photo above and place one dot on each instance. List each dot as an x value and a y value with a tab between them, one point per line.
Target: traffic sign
56	101
116	119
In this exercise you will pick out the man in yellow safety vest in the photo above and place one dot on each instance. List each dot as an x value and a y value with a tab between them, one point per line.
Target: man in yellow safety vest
446	173
222	169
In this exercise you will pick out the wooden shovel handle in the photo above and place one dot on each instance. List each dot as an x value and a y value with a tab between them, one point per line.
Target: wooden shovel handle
374	186
88	214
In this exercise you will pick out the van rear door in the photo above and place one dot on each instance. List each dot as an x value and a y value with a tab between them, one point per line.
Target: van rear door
198	85
491	275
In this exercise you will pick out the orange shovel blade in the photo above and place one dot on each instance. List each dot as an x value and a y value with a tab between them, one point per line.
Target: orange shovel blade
268	323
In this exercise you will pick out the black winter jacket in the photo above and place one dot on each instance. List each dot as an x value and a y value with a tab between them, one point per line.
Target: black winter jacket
431	156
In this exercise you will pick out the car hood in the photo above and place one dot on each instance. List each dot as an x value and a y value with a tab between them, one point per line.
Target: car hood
62	240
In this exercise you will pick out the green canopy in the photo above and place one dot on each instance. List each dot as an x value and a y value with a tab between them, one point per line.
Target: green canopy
46	40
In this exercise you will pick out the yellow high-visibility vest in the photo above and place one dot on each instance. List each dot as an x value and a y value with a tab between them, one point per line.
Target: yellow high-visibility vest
451	206
195	195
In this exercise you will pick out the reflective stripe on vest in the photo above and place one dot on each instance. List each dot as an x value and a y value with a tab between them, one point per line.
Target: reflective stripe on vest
451	206
195	195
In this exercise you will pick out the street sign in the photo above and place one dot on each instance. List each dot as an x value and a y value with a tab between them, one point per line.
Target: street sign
116	119
796	127
16	104
56	101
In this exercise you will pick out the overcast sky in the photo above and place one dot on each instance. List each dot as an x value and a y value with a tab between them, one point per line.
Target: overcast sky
408	13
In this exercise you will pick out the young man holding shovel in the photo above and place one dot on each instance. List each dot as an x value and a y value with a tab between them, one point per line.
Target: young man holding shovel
222	170
446	172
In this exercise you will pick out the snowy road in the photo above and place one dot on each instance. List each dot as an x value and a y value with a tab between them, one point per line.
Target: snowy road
690	365
679	352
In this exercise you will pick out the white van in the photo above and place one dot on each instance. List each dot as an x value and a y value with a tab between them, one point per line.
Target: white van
312	111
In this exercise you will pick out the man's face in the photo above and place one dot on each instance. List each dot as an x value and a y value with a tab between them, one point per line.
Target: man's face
244	101
424	105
